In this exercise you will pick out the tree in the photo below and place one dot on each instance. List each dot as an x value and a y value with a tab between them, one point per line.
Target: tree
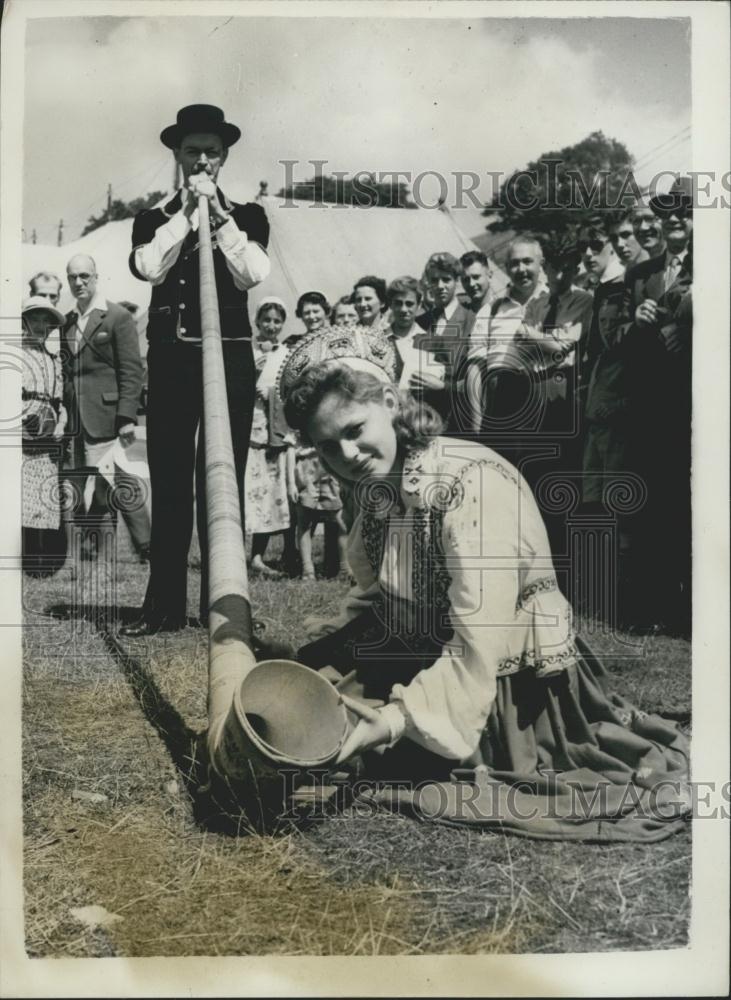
118	209
561	189
363	190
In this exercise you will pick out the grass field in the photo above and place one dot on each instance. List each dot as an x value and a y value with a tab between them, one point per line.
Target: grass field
111	819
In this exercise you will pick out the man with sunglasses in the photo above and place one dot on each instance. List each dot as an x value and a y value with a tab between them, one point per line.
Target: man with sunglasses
607	362
166	253
659	321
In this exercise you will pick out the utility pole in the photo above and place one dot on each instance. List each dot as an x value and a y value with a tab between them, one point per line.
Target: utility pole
34	238
109	198
60	233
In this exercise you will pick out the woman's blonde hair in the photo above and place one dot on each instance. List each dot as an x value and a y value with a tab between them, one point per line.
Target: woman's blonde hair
415	423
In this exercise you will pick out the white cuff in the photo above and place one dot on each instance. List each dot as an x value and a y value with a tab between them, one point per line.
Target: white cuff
230	237
396	721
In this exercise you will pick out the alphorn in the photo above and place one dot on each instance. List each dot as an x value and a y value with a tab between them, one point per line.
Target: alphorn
278	712
230	655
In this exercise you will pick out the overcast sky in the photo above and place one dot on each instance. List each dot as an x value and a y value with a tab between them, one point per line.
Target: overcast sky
363	94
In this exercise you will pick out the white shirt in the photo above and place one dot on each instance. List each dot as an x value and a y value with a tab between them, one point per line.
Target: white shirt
507	316
449	310
504	603
551	350
614	269
480	332
246	260
414	359
97	301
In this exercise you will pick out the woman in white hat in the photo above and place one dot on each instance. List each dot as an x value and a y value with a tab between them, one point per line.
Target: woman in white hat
269	479
457	625
43	425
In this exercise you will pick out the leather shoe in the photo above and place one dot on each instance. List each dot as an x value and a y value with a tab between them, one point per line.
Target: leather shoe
142	628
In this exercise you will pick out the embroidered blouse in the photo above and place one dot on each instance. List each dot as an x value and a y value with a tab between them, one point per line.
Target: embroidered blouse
465	535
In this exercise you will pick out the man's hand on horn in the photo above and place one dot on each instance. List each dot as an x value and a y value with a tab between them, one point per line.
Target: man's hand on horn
202	184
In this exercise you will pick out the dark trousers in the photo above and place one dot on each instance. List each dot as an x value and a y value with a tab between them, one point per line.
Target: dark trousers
524	424
174	414
659	452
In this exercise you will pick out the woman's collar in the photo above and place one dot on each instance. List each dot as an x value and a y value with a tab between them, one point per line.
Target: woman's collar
417	471
416	474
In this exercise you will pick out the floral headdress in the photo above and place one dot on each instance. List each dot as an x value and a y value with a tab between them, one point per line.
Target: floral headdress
357	347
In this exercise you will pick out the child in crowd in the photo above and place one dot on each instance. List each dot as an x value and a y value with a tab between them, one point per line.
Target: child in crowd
316	495
318	502
270	467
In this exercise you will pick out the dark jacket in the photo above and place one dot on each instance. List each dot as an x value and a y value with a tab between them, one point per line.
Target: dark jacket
450	346
646	281
179	294
103	378
608	358
660	378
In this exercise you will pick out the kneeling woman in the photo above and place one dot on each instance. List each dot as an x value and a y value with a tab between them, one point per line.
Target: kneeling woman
456	624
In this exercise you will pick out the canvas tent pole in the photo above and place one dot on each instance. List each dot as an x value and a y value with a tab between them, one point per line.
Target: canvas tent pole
283	266
466	243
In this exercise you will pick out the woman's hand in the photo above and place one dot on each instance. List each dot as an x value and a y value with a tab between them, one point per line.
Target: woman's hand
371	730
426	380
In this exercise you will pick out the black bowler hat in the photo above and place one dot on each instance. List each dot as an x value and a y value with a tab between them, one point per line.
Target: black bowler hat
200	118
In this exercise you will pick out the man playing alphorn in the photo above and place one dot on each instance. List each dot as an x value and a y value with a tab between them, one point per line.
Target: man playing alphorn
165	253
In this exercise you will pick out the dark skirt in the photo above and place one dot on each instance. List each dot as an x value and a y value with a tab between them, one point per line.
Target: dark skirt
561	757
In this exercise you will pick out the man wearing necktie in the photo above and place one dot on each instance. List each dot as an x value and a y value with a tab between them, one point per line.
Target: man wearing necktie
658	318
102	382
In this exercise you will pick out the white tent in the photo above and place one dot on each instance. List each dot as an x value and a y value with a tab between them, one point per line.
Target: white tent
328	247
322	247
110	247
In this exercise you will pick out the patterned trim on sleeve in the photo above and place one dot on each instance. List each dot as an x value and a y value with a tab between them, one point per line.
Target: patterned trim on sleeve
548	663
541	586
490	463
502	469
